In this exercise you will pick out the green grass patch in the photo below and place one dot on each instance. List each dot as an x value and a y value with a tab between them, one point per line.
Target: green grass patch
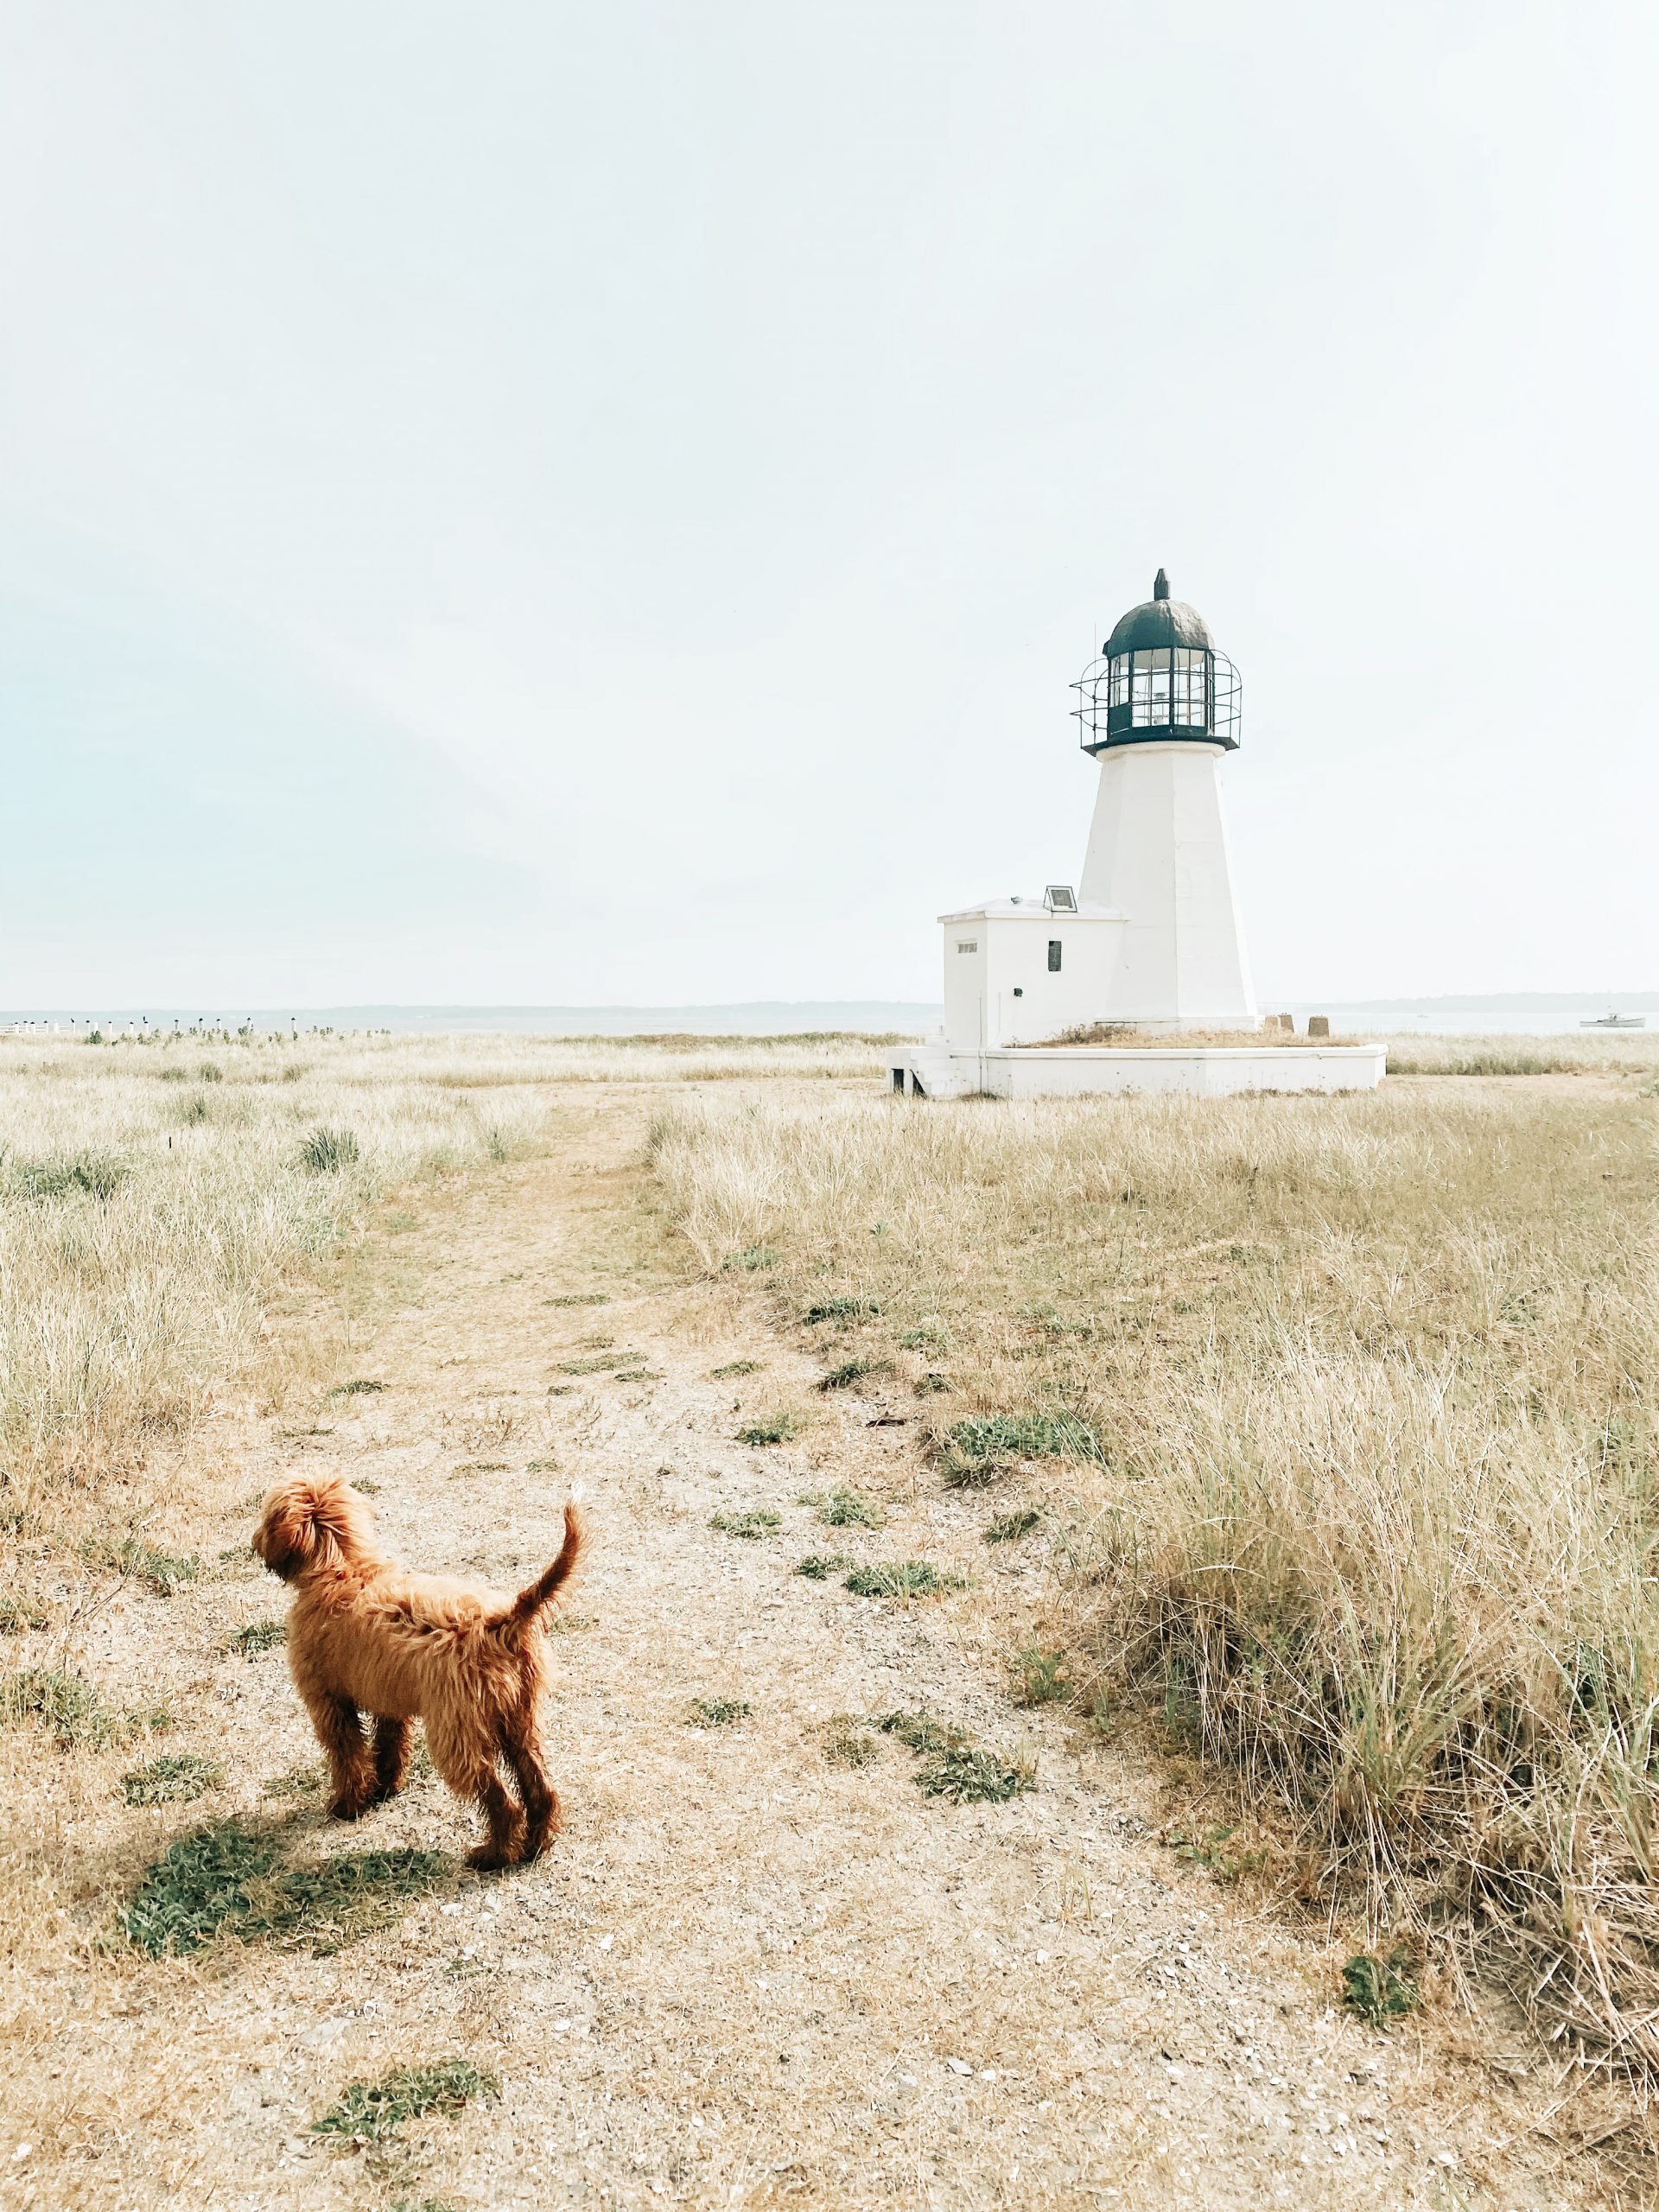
849	1509
818	1566
922	1732
1009	1528
258	1636
1379	1990
1040	1678
579	1298
751	1259
978	1449
89	1174
599	1363
852	1370
845	1744
966	1777
360	1386
840	1309
165	1572
229	1878
905	1578
759	1521
175	1779
373	2112
1213	1850
775	1429
734	1368
719	1712
68	1705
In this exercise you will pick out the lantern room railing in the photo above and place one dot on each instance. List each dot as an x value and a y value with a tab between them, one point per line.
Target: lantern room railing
1159	691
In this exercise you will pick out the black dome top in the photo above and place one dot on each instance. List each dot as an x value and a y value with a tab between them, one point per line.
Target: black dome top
1160	621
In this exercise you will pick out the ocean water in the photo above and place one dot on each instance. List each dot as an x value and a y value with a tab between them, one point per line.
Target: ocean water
1517	1013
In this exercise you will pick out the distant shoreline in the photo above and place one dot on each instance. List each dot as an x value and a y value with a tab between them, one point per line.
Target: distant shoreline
1531	1012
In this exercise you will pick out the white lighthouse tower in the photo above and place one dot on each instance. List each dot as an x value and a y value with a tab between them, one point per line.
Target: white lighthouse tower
1160	711
1060	993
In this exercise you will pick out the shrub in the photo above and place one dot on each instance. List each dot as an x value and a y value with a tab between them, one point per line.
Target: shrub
719	1712
325	1152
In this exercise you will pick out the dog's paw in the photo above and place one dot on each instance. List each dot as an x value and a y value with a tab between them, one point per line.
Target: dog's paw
485	1859
348	1808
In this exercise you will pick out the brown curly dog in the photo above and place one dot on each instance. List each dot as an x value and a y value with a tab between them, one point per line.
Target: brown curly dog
365	1635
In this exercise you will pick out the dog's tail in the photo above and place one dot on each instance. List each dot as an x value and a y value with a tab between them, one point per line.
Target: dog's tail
541	1593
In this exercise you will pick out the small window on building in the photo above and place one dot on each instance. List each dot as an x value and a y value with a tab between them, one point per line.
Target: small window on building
1060	898
1053	956
967	944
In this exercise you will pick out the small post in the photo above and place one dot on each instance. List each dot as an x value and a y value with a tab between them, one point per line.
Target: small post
1285	1021
1318	1025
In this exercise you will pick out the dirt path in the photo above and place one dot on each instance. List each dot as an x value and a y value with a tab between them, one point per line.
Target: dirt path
748	1975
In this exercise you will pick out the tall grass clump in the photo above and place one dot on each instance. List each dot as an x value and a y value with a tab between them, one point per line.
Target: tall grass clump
137	1255
1369	1505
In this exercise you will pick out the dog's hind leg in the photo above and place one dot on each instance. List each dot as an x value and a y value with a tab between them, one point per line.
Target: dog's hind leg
521	1746
469	1766
340	1731
390	1757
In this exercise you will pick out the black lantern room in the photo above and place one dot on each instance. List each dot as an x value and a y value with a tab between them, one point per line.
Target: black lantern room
1159	676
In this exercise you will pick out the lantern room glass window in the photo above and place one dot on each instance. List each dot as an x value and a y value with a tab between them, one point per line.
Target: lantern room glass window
1163	687
1190	689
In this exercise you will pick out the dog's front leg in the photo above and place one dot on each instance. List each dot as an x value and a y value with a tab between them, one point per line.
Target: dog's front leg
340	1731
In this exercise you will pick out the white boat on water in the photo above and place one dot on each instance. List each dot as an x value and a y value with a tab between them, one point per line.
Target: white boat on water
1616	1021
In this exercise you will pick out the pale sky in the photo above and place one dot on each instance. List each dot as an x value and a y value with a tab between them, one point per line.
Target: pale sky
521	502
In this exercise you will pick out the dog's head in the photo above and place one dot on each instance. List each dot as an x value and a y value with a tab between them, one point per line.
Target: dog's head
310	1523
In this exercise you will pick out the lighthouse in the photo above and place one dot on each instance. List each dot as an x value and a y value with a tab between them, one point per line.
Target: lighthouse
1160	711
1069	991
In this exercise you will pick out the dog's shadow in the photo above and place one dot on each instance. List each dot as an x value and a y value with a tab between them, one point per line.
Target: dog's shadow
255	1881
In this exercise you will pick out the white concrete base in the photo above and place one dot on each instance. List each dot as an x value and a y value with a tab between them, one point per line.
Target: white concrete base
1082	1071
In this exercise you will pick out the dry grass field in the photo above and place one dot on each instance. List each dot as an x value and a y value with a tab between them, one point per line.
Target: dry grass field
1112	1627
1340	1422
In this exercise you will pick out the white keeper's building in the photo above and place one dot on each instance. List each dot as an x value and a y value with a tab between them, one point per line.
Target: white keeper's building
1148	941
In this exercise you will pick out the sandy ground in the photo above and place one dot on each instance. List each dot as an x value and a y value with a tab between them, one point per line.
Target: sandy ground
745	1975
